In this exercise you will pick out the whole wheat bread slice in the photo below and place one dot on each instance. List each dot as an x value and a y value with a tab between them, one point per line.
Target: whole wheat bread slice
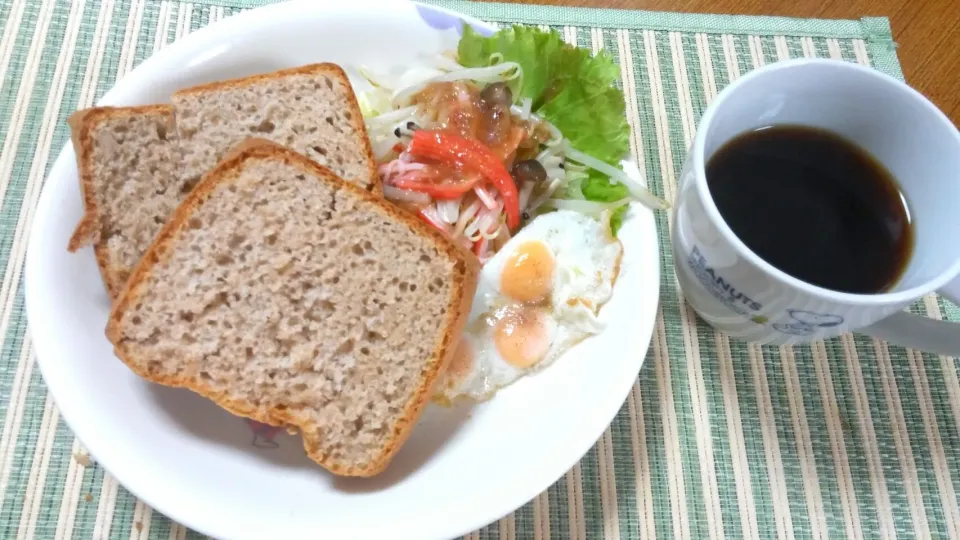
311	109
295	298
126	160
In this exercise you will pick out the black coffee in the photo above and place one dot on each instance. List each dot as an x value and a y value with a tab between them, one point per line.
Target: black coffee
814	205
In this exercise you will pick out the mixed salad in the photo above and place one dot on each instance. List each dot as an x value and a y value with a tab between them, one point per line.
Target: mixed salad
504	128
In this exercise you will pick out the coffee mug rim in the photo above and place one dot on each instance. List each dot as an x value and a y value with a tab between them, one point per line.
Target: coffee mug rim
703	192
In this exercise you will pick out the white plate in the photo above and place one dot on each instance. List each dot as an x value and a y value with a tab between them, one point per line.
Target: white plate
204	467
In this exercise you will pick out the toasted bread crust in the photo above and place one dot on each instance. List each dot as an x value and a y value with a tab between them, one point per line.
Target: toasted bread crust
228	170
330	69
80	137
88	230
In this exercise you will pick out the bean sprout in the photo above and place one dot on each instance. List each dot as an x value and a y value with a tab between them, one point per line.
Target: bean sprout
465	217
524	109
484	197
648	199
447	64
547	193
449	210
524	195
430	214
593	208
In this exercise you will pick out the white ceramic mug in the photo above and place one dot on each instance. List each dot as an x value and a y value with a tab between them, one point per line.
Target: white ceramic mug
739	293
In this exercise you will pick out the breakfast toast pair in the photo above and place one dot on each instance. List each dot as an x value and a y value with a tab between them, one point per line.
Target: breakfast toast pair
283	289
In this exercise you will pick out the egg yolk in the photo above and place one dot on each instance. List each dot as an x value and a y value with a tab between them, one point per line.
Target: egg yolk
521	337
528	272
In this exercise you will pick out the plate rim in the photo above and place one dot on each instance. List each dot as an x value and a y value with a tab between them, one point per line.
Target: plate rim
192	519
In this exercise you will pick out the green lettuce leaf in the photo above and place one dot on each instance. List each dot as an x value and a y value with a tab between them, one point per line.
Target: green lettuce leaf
616	219
568	86
551	67
594	124
538	53
598	187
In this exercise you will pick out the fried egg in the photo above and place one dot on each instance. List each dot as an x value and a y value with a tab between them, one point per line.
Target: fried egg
537	297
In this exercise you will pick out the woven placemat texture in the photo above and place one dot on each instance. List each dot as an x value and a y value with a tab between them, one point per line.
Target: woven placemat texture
851	438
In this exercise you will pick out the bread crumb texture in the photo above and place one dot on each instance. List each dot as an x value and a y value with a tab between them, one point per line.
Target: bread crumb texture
311	111
134	164
291	300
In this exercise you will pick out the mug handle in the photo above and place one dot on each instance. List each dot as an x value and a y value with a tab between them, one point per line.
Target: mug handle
919	332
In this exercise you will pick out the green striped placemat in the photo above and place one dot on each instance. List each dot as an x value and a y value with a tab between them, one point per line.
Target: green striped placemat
849	438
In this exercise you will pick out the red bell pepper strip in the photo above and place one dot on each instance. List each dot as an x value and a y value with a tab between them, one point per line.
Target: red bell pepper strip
472	155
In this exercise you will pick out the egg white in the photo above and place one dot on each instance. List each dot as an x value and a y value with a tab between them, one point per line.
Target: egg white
586	265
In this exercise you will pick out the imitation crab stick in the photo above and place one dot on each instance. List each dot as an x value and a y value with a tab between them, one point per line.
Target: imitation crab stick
471	155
